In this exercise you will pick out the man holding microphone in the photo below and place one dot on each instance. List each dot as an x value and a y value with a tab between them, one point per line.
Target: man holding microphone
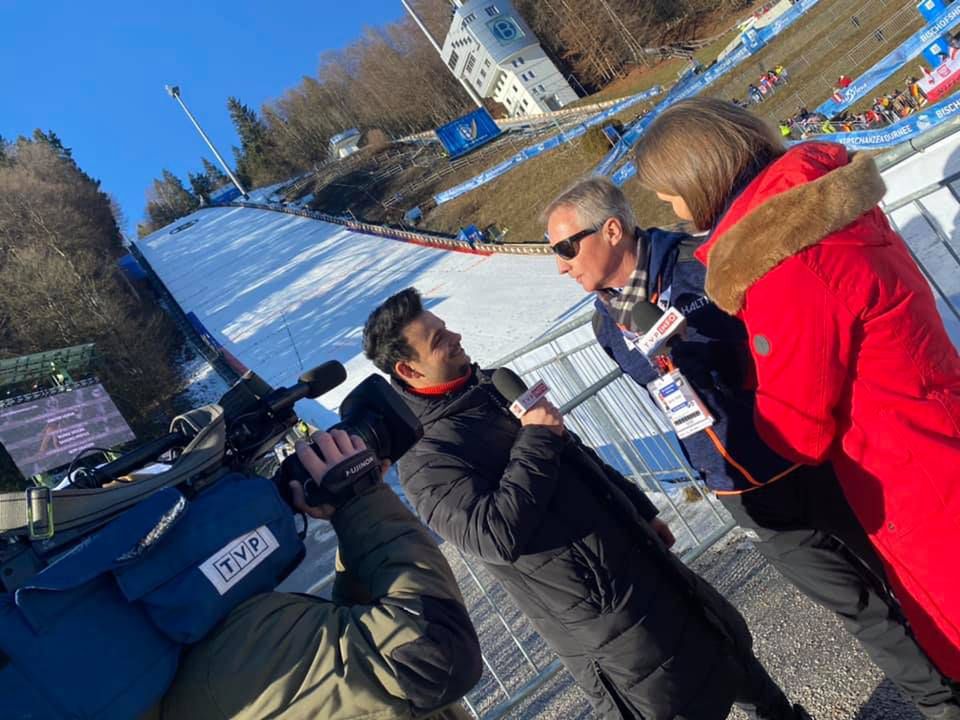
577	546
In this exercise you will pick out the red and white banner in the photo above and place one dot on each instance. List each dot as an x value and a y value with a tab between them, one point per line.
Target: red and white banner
938	83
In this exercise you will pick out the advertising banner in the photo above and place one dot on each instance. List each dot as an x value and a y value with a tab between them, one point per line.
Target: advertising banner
549	144
937	84
911	48
900	132
467	133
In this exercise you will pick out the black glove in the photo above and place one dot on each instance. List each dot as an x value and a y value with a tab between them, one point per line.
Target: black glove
344	481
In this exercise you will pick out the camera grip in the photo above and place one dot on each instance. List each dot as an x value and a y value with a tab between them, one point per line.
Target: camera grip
345	480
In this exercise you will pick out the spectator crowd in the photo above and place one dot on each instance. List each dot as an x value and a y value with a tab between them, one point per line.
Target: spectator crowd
887	108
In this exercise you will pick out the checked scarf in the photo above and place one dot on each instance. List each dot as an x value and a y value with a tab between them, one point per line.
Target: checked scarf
621	302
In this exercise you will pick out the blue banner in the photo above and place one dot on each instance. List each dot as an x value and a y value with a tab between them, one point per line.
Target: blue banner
467	133
898	133
757	41
911	48
687	89
549	144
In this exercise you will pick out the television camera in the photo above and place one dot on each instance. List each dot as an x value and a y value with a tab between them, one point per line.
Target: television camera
256	418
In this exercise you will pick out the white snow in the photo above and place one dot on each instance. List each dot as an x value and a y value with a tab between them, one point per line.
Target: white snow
203	385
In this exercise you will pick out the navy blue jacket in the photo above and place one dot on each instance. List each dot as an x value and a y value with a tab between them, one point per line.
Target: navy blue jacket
714	358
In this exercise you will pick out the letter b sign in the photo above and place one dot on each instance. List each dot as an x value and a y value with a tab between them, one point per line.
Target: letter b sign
505	29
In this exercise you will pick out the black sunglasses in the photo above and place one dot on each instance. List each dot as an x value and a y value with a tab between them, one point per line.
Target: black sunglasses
569	247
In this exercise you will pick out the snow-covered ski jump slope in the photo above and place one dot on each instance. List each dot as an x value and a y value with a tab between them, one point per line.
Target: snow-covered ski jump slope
285	293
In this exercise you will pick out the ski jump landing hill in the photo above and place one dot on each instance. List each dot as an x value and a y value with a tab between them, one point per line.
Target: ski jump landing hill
284	293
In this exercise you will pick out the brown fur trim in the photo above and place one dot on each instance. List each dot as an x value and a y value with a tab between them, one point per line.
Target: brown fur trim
786	224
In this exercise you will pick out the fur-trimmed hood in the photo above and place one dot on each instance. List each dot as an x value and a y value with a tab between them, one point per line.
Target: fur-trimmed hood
747	249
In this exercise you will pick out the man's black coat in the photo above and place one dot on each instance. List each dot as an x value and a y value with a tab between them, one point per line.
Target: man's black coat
569	539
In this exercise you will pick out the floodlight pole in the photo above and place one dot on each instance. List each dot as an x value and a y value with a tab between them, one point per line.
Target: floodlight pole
174	92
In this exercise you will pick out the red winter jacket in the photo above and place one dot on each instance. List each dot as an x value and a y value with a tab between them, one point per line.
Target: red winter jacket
853	365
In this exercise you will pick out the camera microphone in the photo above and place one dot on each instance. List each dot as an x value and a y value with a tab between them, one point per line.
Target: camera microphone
313	383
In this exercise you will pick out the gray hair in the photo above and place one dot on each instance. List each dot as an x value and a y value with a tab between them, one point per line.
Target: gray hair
595	199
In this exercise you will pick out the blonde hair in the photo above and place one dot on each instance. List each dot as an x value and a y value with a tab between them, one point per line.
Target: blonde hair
705	150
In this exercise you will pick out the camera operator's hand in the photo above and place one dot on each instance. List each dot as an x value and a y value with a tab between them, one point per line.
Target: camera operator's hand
336	447
546	414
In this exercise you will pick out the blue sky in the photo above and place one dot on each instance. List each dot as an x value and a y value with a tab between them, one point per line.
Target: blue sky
94	72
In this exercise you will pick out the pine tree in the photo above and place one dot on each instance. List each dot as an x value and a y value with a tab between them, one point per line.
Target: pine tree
253	153
202	186
59	285
167	201
54	141
217	177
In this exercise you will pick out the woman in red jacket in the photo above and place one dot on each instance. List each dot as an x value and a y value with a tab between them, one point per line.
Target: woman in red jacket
852	361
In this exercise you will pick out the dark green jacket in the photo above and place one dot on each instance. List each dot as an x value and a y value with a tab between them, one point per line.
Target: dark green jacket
408	650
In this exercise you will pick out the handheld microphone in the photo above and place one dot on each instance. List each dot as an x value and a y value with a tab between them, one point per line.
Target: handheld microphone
657	330
514	390
313	383
671	392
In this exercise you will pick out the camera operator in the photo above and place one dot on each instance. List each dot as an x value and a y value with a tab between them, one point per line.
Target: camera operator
394	642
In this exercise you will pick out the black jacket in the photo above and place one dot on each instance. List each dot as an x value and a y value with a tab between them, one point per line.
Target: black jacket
714	358
569	540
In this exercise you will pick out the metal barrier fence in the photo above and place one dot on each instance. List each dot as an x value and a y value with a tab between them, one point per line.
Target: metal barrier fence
436	240
615	416
928	218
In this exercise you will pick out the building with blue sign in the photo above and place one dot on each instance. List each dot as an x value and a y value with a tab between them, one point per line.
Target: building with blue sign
492	49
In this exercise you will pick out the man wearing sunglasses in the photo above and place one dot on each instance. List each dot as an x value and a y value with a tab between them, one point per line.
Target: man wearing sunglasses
796	514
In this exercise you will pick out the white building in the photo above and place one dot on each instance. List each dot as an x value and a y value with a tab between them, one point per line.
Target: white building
345	143
490	47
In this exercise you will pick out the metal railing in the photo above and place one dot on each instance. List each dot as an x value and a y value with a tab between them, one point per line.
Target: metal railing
919	218
615	416
417	237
